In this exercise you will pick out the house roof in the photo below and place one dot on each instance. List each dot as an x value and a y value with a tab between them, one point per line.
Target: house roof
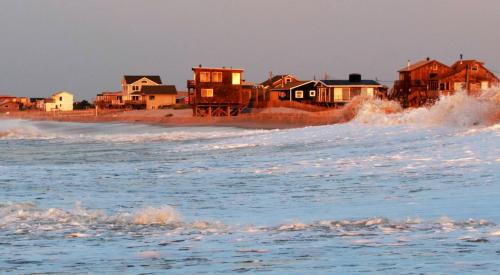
159	89
275	78
293	85
216	69
129	79
416	65
362	82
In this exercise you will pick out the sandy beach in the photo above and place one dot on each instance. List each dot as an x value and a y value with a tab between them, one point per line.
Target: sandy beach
269	118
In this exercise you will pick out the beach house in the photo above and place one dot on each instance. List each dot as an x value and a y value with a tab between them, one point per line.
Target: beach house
299	91
216	91
59	101
132	84
159	96
468	75
333	93
423	82
109	100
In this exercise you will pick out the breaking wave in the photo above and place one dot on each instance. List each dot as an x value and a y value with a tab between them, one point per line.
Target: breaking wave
27	218
458	110
119	133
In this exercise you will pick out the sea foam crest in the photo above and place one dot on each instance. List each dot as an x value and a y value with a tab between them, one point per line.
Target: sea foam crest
457	110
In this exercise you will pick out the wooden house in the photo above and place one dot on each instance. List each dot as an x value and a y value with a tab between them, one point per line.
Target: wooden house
133	83
334	93
418	83
109	100
216	91
300	91
423	82
277	81
159	96
468	75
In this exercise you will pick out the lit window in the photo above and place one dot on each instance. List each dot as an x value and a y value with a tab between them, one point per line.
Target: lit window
236	78
217	77
299	94
207	92
434	67
312	93
205	77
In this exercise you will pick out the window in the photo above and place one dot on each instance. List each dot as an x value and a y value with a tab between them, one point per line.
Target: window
337	94
441	86
144	81
369	92
299	94
434	67
288	80
475	68
236	78
60	98
205	77
151	97
447	86
217	77
312	93
207	92
135	88
484	85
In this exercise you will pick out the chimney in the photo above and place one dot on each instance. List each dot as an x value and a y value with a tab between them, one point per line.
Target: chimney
354	78
461	58
428	58
408	64
200	66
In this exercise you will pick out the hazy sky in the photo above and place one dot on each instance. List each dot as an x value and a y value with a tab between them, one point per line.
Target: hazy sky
86	46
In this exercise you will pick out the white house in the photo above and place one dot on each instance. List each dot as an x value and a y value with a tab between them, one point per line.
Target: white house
60	101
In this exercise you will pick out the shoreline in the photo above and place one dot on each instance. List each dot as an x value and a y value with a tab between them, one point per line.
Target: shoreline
274	119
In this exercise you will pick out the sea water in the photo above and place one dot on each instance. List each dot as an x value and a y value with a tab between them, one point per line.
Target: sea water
413	192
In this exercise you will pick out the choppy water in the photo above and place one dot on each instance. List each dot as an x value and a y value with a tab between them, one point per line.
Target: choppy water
382	194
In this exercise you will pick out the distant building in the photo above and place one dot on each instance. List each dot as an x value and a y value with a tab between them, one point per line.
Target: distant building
278	81
133	83
300	91
159	96
418	83
468	75
340	92
216	91
59	101
109	100
423	82
13	103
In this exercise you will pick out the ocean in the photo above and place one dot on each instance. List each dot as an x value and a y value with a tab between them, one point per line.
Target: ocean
400	193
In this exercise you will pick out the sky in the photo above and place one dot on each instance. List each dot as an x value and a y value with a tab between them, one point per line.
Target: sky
85	47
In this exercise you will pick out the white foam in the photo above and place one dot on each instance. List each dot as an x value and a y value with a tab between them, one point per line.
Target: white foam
457	110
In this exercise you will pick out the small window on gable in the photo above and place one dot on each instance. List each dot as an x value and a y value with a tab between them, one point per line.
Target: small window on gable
434	67
288	80
60	98
312	93
299	94
205	77
475	68
216	76
207	92
144	81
